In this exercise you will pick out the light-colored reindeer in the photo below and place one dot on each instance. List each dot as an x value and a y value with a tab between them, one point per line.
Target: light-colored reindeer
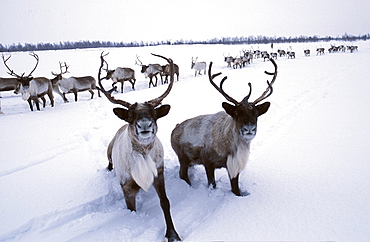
151	70
32	88
221	139
121	74
72	84
198	66
136	153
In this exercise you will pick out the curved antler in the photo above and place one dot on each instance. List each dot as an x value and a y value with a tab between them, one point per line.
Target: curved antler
12	73
155	102
108	93
269	89
37	59
211	77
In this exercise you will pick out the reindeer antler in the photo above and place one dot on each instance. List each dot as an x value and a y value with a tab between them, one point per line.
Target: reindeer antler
264	95
220	89
12	73
269	89
155	102
61	69
37	59
139	64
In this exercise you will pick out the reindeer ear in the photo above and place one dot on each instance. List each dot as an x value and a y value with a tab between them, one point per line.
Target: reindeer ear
230	109
122	113
262	108
162	111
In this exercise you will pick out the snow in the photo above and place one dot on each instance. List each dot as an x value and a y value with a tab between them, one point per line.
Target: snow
308	173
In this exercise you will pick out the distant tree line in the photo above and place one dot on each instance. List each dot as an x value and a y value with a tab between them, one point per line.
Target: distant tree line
224	40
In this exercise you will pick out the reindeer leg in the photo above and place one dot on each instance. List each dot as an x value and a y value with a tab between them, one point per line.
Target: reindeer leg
75	92
151	81
159	186
210	171
122	86
65	98
130	189
156	80
51	97
30	103
92	93
235	185
184	166
44	101
133	83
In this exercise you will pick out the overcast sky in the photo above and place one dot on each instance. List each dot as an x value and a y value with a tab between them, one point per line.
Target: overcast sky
36	21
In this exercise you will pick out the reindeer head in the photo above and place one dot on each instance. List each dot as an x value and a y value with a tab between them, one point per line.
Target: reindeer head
23	80
245	113
139	63
142	117
193	62
59	76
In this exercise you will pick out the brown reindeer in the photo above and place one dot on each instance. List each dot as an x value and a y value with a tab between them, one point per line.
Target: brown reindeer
221	139
32	88
136	153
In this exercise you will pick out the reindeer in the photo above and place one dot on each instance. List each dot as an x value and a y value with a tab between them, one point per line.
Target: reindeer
247	57
307	52
166	72
121	74
221	139
320	51
291	54
72	84
273	55
136	153
151	70
198	66
228	59
281	53
265	55
32	88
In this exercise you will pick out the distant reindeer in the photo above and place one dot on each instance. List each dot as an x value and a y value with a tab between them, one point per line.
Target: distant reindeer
237	61
32	88
281	53
198	66
166	72
72	84
273	55
221	139
247	58
136	153
151	70
291	54
265	55
352	48
121	74
307	52
228	59
320	51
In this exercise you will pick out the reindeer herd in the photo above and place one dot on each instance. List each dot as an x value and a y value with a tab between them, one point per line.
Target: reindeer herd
135	152
219	140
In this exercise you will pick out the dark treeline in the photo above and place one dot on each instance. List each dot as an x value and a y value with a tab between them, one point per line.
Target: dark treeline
224	40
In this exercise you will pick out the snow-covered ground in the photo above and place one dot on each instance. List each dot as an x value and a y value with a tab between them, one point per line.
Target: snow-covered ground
308	173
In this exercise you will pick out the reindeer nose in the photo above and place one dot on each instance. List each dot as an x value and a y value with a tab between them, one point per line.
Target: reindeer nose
249	129
145	125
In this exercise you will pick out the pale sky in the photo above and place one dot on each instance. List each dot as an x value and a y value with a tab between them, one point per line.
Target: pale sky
51	21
